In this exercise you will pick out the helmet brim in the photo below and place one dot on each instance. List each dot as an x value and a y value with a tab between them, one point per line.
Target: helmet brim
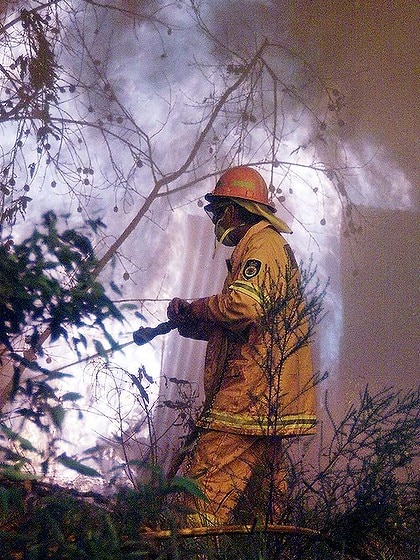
213	198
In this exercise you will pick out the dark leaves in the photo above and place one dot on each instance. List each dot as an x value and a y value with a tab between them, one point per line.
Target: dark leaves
46	281
77	466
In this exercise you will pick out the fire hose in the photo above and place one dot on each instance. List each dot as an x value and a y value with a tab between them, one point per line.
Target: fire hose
145	334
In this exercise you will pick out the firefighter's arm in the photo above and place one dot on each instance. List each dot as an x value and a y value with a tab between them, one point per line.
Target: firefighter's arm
234	310
246	299
195	330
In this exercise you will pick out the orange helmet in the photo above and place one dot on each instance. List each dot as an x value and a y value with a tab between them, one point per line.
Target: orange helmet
241	182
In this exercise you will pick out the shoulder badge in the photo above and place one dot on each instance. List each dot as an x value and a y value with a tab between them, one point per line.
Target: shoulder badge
251	269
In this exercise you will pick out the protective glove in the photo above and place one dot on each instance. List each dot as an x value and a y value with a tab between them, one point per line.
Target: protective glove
179	311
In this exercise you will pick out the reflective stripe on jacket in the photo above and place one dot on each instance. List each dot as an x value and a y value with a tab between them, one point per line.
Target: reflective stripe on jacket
258	375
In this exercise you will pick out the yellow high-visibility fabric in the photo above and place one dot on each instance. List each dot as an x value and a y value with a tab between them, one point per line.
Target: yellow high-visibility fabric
258	374
223	464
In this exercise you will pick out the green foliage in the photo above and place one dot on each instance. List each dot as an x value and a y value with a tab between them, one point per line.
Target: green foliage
363	488
47	287
61	524
14	436
151	503
76	466
46	281
55	525
359	501
38	402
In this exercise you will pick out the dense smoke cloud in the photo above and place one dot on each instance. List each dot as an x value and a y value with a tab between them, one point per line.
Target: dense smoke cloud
371	50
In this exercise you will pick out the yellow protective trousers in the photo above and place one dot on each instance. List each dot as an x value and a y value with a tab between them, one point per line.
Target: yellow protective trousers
241	475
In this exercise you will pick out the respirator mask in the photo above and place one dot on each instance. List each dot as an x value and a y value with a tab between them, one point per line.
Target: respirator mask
217	214
222	234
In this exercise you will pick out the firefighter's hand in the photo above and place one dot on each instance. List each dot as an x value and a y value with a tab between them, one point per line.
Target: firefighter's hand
179	310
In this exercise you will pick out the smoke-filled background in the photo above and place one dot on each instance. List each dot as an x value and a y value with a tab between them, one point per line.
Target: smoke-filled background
368	51
372	49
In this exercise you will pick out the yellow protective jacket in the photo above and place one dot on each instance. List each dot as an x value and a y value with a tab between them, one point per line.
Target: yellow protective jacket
258	376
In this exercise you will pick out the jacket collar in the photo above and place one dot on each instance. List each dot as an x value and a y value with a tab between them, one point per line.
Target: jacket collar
236	258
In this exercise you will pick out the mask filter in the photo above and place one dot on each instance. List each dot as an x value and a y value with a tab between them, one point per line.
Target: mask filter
223	235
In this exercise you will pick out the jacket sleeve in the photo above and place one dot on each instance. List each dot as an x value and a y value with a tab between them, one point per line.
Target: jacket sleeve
233	310
243	300
197	330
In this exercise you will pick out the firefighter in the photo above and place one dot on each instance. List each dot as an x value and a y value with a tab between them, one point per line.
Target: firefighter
258	368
